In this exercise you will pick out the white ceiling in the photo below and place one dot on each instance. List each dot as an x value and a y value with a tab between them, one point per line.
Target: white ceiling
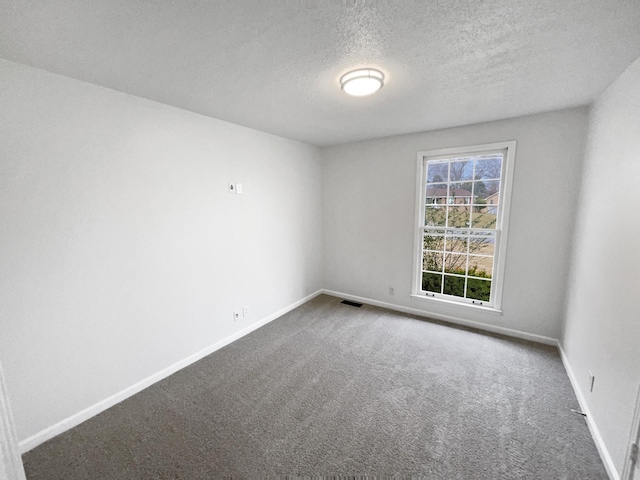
275	65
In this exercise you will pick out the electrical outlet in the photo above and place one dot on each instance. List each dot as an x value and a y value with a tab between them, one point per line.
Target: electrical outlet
245	311
392	291
236	315
592	379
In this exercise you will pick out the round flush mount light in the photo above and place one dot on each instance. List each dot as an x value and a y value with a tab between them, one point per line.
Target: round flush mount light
361	82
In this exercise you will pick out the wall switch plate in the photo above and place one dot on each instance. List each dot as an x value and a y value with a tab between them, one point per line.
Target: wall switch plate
392	291
236	315
232	188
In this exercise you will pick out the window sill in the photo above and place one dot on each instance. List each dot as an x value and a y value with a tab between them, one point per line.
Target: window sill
481	308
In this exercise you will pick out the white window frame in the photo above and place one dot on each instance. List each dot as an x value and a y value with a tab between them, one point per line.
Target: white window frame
502	222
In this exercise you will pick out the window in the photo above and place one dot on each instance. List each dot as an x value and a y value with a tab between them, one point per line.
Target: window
462	208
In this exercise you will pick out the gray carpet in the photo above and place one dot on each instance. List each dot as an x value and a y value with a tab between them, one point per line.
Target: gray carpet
330	389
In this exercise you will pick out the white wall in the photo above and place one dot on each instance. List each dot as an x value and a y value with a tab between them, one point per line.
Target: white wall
368	214
121	251
602	331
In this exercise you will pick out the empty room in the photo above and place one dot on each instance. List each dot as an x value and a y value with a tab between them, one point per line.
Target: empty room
317	238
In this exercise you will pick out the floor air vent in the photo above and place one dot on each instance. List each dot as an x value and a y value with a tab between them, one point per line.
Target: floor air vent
352	304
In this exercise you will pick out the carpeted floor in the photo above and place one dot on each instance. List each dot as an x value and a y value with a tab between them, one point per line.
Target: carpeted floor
330	389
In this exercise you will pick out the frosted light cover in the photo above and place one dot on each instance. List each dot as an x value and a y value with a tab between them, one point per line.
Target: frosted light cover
362	82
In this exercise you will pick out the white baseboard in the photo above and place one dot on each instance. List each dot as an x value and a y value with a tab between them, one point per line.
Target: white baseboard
76	419
447	318
593	428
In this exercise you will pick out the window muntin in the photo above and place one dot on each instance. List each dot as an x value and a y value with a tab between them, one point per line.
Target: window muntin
461	223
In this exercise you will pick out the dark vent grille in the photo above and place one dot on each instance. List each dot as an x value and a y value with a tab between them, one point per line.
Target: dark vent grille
352	304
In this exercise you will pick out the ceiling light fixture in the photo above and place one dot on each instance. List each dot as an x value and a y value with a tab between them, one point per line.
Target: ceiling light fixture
361	82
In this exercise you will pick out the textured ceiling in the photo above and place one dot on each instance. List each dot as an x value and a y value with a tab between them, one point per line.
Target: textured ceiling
275	65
